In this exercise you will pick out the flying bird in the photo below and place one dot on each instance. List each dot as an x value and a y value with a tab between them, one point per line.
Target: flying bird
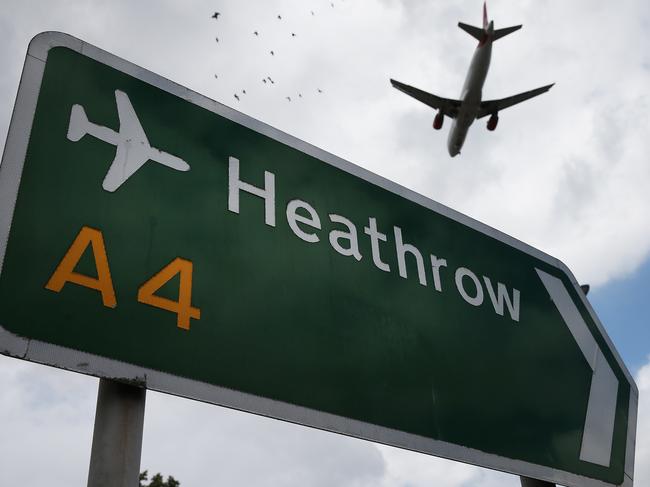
215	76
256	33
312	12
264	80
280	17
215	15
272	53
319	90
216	39
236	96
243	91
288	98
293	34
299	95
269	78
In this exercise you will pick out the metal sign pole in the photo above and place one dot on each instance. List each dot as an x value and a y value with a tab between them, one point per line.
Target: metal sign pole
528	482
117	438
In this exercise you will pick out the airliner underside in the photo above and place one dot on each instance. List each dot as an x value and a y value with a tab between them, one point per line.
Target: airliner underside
470	106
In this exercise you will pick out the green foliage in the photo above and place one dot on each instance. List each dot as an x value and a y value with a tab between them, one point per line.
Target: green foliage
157	480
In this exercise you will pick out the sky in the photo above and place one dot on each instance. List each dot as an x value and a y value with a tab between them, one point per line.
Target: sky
566	172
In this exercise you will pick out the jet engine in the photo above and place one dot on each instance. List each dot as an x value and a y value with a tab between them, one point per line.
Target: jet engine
437	122
492	122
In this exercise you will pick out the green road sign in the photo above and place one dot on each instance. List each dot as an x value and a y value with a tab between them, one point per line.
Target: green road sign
151	235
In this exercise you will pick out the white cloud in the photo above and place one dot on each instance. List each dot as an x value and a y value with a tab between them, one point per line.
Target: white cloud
47	420
195	441
405	468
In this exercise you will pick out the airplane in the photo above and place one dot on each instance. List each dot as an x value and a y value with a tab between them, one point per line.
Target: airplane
133	148
470	107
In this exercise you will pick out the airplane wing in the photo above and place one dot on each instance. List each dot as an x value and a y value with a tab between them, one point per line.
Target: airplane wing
448	106
130	127
133	148
489	107
129	157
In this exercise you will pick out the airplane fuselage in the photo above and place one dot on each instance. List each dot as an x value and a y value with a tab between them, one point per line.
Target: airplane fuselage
470	96
470	105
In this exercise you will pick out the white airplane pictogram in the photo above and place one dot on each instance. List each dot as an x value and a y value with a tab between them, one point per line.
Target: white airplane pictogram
133	148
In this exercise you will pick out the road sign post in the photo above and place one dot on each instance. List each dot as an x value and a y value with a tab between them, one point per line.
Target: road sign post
153	236
117	437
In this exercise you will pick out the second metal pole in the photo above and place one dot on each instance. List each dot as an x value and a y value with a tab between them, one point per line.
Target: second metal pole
117	438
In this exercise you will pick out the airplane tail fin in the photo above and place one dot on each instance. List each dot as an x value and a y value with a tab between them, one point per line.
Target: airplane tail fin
485	17
487	30
78	123
480	34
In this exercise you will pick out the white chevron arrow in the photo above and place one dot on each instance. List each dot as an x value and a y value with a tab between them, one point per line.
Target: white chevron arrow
598	432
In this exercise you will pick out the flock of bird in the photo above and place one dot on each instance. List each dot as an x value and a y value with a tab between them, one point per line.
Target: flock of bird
267	80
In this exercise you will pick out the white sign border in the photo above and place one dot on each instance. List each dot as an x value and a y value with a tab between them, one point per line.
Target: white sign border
45	353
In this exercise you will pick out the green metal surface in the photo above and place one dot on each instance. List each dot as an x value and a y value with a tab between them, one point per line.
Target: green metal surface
282	318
